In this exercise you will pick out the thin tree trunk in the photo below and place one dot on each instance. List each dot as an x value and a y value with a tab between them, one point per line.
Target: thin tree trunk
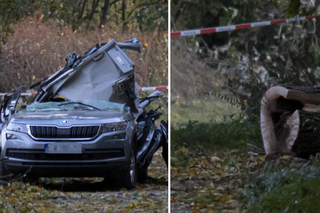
117	17
74	9
95	4
82	9
124	7
178	4
104	13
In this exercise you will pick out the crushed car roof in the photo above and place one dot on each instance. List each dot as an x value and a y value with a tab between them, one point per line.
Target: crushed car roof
103	73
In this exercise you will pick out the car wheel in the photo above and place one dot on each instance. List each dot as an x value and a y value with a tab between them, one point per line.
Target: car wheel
129	178
3	170
31	179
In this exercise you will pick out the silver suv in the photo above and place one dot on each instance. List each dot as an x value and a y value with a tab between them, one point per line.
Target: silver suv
86	120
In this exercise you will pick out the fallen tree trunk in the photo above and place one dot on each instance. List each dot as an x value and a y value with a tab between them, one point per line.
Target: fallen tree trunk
290	120
308	140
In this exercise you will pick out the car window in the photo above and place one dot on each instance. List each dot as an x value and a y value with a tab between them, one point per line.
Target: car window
76	105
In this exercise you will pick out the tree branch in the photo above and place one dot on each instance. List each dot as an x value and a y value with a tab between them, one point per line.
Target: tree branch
141	5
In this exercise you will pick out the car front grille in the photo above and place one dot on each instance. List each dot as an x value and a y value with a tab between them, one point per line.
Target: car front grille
52	132
88	154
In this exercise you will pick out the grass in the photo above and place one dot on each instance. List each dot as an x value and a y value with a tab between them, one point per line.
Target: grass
283	185
201	110
263	184
204	138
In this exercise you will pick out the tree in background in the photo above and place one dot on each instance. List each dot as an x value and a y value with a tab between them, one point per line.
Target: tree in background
11	11
41	33
254	59
130	14
135	15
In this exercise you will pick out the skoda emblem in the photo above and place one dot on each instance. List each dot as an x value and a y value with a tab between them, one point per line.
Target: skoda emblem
64	122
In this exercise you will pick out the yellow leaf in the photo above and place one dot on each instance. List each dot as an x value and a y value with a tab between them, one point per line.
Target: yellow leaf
6	189
113	201
285	157
223	174
45	210
178	172
127	209
205	163
184	150
131	207
42	51
11	200
41	17
145	45
192	172
224	198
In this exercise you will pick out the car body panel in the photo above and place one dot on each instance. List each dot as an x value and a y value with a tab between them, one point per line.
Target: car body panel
103	73
101	154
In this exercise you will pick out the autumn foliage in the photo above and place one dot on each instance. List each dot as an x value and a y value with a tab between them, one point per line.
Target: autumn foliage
37	49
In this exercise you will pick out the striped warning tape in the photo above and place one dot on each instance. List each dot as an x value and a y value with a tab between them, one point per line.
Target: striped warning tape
239	26
22	94
153	88
142	89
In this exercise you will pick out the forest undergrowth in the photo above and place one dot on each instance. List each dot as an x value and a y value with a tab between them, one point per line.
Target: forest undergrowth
221	167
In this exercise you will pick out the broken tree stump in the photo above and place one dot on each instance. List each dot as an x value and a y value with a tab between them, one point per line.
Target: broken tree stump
290	120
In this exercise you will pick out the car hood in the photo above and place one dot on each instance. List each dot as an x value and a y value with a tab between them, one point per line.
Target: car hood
73	117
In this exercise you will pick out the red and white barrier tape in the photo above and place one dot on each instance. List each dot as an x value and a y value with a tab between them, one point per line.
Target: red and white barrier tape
239	26
142	89
153	88
22	94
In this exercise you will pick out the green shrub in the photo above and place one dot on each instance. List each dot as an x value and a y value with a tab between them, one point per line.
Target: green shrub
203	138
291	186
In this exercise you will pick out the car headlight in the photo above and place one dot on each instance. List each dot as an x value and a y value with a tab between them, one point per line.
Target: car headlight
113	127
17	127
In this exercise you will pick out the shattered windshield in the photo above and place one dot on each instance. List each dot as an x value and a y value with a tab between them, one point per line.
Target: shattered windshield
94	105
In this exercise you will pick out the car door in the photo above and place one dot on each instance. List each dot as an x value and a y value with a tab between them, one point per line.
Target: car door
9	104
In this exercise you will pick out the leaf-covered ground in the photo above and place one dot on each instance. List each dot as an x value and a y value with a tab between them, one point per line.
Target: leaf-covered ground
88	195
208	184
239	181
206	164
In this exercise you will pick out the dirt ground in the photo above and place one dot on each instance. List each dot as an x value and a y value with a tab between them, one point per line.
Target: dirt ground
88	194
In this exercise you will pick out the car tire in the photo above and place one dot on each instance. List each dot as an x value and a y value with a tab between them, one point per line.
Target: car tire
31	180
3	170
129	176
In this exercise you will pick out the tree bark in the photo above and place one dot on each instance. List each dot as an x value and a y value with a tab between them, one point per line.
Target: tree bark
124	22
308	140
178	4
82	9
94	6
104	13
290	120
